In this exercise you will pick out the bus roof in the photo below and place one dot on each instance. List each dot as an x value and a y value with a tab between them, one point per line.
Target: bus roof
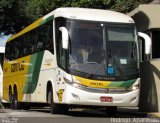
91	14
81	14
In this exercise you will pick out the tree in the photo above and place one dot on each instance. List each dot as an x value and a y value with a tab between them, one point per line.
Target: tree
16	14
35	9
12	19
125	6
38	8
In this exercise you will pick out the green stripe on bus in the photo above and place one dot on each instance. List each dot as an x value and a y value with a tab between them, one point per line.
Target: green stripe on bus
122	84
32	63
128	83
33	73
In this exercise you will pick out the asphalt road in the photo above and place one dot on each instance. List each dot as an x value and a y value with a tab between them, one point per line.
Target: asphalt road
37	115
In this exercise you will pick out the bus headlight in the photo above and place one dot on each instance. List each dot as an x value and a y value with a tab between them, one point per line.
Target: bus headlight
135	86
76	85
72	83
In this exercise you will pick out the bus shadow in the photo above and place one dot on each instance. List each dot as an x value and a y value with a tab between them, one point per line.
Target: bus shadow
74	112
87	113
97	113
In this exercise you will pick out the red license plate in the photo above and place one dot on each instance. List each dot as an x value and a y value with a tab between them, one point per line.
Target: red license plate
106	99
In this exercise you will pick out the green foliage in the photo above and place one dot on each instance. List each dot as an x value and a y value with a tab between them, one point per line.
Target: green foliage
11	18
38	8
127	5
16	14
101	4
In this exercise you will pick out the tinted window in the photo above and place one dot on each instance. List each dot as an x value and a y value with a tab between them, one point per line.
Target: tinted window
31	42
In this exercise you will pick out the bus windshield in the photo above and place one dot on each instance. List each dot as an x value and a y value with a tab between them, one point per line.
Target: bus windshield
99	48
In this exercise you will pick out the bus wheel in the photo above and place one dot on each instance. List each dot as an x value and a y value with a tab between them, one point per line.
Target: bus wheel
16	104
111	111
54	108
11	100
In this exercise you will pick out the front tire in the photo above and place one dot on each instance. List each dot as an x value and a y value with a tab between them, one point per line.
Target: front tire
54	108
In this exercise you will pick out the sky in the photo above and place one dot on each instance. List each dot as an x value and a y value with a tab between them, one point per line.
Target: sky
3	40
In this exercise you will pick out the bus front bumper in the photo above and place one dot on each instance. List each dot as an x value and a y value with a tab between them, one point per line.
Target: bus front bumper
77	96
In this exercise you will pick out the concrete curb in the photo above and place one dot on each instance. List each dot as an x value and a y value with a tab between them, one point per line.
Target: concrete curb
2	109
154	115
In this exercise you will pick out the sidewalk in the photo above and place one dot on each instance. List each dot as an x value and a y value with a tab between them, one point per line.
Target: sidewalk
1	108
133	111
154	115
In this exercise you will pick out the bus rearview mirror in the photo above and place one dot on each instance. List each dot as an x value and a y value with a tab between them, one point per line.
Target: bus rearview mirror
148	42
64	37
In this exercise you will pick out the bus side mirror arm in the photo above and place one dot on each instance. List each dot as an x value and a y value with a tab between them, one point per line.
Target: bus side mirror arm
65	37
148	42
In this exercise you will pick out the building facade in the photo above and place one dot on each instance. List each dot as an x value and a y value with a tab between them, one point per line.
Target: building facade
147	19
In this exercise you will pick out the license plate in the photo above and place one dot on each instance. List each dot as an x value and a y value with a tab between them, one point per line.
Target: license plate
106	99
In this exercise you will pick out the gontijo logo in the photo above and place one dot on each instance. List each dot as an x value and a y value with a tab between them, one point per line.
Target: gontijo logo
19	66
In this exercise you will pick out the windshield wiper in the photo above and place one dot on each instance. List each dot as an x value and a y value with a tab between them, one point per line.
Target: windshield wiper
90	75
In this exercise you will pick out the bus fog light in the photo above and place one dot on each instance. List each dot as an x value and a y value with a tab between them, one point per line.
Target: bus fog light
132	99
76	96
134	87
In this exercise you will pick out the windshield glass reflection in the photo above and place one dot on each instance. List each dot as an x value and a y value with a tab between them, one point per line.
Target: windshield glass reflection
94	47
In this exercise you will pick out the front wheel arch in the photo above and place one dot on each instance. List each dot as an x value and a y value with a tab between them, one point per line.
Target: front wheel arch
48	89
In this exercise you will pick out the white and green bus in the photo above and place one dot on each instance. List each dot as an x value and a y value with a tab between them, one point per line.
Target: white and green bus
74	57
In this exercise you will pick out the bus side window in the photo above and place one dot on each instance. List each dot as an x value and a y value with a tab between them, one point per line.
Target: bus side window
40	39
61	53
39	45
7	52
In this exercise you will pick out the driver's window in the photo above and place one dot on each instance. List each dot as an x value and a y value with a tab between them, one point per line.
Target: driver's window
61	53
62	57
